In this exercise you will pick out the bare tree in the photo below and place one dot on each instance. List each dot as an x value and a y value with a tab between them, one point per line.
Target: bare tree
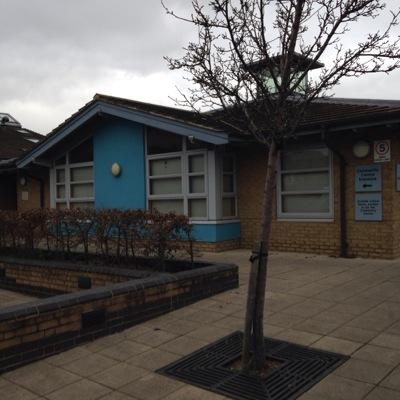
250	64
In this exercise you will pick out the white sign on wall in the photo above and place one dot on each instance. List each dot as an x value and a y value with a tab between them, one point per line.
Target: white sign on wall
382	151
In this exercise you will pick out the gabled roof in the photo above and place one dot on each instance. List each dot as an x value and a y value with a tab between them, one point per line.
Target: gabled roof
335	114
171	113
175	120
339	112
16	141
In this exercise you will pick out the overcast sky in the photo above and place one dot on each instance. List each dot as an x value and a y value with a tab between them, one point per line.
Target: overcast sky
56	54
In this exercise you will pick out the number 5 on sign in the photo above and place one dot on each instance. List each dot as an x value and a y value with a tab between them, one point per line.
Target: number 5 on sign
381	151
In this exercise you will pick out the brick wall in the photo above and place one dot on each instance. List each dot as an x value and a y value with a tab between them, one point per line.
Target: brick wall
45	327
28	196
365	239
52	279
217	246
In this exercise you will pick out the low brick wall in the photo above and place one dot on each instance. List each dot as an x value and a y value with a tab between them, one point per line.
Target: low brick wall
217	246
43	278
35	330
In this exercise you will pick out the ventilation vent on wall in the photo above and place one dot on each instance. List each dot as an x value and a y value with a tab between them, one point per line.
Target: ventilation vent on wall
84	282
93	319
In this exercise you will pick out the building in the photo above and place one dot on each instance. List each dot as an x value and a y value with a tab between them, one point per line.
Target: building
337	191
18	190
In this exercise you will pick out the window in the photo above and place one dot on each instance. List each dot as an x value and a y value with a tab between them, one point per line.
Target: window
73	178
228	187
176	175
305	184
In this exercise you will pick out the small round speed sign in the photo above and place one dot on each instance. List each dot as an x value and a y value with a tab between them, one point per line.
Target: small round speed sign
382	151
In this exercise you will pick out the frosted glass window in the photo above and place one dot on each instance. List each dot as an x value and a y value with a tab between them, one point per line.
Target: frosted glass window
60	175
81	174
228	183
82	191
197	208
306	181
73	184
165	166
196	163
176	175
166	186
229	207
197	184
60	191
311	203
305	159
166	206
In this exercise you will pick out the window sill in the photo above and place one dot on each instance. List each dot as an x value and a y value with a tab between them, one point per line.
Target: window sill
306	220
214	222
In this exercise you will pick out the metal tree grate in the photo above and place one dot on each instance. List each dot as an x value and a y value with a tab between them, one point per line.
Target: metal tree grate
298	369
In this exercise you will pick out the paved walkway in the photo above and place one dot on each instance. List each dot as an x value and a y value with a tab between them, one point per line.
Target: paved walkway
8	298
348	306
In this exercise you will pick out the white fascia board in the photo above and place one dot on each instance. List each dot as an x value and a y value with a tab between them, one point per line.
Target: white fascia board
179	128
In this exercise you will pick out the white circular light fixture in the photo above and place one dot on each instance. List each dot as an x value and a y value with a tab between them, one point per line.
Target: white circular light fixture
116	169
361	149
23	181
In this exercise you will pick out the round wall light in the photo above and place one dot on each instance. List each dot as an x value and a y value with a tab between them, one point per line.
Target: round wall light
116	169
23	181
361	149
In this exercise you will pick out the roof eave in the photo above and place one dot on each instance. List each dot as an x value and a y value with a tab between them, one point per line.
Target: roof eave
157	121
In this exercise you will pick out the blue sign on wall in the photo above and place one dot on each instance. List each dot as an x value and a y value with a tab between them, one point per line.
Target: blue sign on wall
369	178
369	207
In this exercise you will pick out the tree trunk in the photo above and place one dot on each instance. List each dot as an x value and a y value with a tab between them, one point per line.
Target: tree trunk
253	356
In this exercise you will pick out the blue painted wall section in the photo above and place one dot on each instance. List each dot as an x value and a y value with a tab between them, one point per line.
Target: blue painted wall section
216	232
122	142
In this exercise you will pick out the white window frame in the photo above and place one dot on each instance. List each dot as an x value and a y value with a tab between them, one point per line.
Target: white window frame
230	195
318	217
185	175
67	183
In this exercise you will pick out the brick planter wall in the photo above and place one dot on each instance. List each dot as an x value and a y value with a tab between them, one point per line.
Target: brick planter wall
43	278
39	329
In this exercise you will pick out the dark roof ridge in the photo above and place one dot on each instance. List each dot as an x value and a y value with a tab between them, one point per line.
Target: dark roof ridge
99	96
358	101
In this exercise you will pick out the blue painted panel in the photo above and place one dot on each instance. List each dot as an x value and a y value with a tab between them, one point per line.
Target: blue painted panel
120	142
216	232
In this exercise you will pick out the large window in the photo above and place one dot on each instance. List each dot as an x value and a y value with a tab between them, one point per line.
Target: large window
305	184
177	175
228	186
73	179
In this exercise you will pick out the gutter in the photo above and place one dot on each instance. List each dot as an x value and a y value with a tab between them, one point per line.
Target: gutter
344	245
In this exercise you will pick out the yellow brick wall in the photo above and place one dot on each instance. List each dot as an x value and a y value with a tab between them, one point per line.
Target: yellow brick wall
28	196
365	239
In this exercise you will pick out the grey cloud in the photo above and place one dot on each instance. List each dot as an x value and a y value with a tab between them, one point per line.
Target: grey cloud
55	54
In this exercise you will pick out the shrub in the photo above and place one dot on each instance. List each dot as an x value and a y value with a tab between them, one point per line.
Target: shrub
113	235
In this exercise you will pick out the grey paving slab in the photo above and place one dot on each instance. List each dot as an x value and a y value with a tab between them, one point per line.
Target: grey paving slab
41	378
83	390
347	306
152	387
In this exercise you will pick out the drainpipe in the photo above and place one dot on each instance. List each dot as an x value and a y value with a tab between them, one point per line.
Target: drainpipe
342	200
